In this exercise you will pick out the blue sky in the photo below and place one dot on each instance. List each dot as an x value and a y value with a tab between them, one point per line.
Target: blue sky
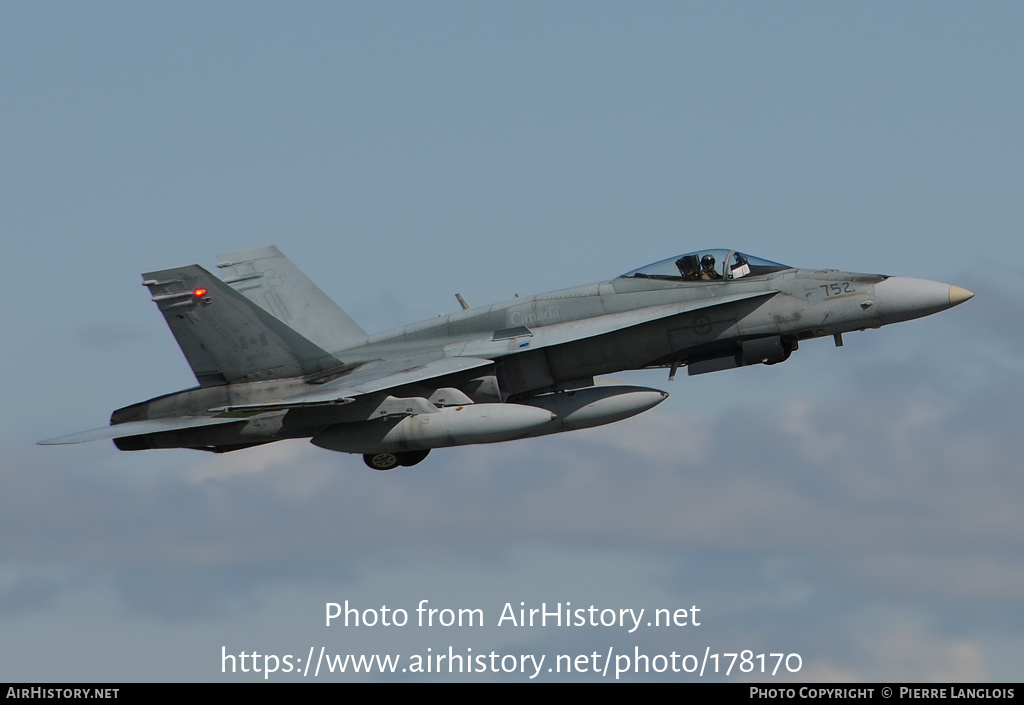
857	506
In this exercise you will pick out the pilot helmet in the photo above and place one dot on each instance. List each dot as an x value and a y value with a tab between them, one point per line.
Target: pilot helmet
707	262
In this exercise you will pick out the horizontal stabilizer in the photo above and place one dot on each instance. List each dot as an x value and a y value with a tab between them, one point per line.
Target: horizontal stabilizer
140	428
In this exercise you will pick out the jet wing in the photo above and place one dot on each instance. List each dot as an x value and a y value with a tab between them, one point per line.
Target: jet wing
559	333
138	428
381	375
371	377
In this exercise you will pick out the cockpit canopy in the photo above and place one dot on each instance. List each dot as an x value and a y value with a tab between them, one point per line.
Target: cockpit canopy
707	265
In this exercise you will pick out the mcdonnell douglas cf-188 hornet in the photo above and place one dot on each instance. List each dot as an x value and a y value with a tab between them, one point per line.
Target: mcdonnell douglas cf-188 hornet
275	358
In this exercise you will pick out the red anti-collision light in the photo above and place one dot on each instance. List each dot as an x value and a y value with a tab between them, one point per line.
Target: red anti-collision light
199	293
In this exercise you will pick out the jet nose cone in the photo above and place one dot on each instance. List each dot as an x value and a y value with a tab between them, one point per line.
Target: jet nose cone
957	295
903	298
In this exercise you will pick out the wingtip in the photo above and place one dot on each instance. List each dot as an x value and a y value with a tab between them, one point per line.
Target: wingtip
53	442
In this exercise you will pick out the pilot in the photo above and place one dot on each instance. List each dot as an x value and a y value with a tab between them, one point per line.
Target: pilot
707	268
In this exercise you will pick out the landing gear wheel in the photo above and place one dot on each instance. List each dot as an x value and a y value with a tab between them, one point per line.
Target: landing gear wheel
410	458
381	461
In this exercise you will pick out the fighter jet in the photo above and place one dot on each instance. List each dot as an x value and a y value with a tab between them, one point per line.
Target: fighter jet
275	358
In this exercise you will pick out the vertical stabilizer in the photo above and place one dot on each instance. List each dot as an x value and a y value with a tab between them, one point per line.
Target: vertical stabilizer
225	337
270	280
